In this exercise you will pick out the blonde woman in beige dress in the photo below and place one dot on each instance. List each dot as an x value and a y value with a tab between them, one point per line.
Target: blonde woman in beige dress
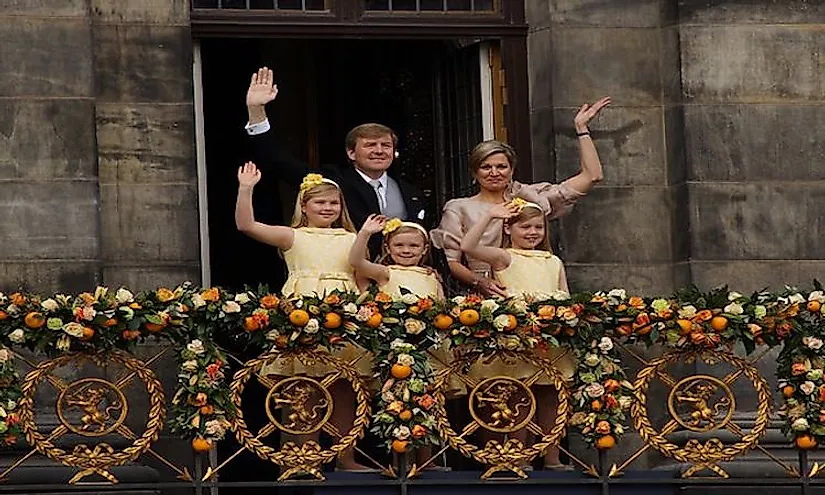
320	224
527	267
492	164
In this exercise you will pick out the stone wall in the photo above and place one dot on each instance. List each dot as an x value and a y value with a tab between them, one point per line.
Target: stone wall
712	145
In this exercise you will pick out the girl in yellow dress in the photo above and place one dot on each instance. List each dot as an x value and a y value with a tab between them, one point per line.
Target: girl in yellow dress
316	250
525	265
402	265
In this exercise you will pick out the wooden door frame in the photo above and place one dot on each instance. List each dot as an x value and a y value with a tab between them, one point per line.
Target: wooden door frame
507	25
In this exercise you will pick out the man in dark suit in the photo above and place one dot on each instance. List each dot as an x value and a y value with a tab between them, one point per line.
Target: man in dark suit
367	187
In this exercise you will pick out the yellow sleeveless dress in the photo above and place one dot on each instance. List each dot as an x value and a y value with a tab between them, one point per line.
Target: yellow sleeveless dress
531	272
423	283
318	262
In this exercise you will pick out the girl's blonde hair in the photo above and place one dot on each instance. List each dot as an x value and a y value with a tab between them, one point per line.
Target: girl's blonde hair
405	228
526	213
299	218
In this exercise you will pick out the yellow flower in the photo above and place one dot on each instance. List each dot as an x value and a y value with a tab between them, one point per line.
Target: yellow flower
392	225
518	202
310	181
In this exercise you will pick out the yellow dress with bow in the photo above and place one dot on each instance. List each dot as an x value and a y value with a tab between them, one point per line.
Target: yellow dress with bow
318	263
531	273
423	282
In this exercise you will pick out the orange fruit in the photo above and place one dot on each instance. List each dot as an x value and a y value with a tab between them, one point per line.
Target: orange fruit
606	442
405	415
153	327
400	371
251	324
469	317
788	391
299	317
375	320
806	441
201	445
131	334
685	325
596	406
34	320
611	385
512	323
88	333
443	322
332	320
207	409
547	311
3	315
814	306
719	323
399	446
110	322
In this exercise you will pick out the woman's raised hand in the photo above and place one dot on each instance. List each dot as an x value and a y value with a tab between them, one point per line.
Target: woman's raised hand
587	112
248	175
504	211
374	224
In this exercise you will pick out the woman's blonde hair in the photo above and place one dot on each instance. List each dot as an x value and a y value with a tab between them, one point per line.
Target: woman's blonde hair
526	213
299	218
386	259
485	149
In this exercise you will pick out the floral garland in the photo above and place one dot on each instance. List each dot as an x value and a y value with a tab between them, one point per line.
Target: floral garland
404	332
10	394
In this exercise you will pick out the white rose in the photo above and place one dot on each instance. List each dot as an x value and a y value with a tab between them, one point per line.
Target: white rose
73	329
272	335
519	307
63	343
89	313
215	428
734	309
594	390
409	299
5	355
398	344
807	388
592	360
10	405
617	293
3	298
197	301
350	308
489	305
413	326
18	336
812	342
49	305
625	401
196	347
123	296
459	300
796	299
190	365
800	424
501	322
12	310
560	295
687	312
606	344
732	296
817	296
405	359
231	307
242	298
401	433
312	326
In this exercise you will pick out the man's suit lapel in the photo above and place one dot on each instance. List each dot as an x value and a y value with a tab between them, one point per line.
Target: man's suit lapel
411	200
364	190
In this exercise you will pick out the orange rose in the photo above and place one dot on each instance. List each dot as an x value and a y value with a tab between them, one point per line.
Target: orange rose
269	301
703	315
419	431
636	302
383	297
798	369
602	427
164	294
198	400
211	295
426	401
425	304
332	299
18	299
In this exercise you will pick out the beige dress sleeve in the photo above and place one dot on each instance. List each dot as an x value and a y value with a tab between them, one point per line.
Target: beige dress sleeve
459	215
450	231
557	200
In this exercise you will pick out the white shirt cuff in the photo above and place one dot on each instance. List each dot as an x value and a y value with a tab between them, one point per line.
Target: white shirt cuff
259	128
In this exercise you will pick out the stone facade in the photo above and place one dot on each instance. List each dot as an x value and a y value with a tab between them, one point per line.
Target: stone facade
711	148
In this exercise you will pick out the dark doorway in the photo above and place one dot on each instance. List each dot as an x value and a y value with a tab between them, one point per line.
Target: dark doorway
427	91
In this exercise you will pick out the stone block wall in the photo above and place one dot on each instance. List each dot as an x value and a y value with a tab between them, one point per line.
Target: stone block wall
712	148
